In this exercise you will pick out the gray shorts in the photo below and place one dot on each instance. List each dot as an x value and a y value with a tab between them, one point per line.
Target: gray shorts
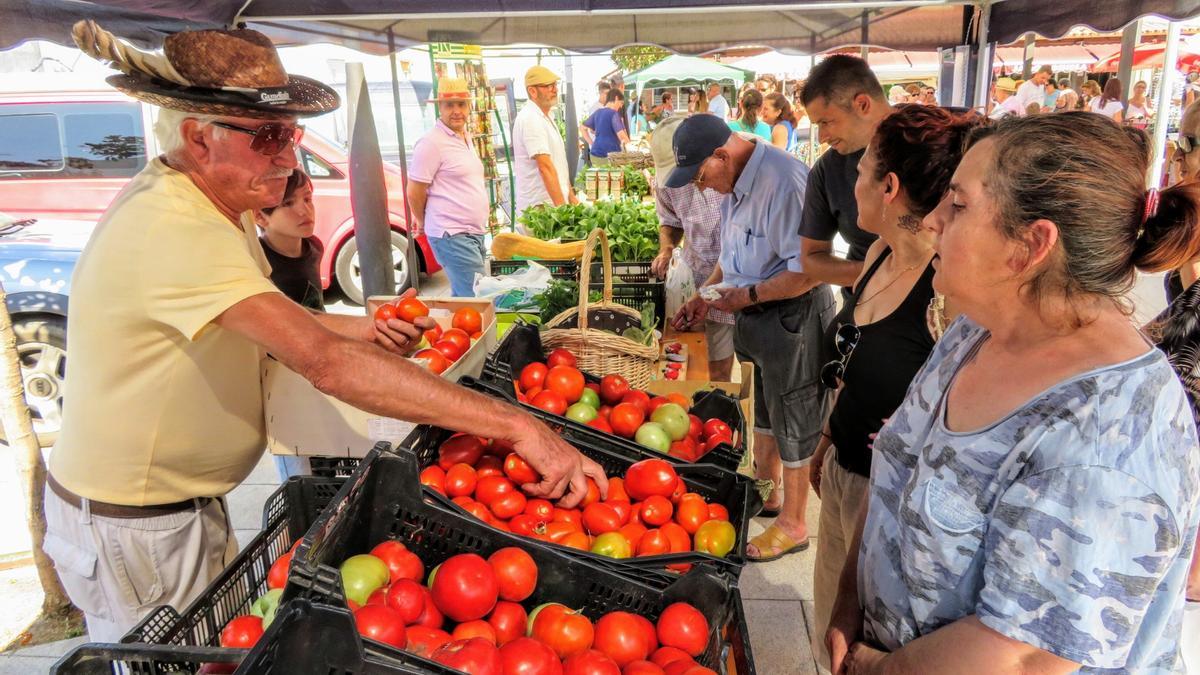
118	570
783	341
719	337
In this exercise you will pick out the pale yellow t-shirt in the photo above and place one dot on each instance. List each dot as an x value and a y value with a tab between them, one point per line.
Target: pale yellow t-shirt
161	404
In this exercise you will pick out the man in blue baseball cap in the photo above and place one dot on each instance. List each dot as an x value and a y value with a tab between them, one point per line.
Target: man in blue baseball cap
781	312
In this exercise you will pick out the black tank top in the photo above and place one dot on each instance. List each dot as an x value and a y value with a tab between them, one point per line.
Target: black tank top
887	358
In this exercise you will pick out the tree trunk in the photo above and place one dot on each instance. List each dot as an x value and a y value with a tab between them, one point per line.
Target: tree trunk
31	469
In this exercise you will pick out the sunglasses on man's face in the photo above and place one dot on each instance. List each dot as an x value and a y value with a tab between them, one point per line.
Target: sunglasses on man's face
269	139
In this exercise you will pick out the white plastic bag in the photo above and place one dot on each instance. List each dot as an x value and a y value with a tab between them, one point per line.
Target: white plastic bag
680	285
514	292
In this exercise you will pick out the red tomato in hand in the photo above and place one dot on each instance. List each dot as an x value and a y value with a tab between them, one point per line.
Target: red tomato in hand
560	357
601	517
476	656
460	449
385	312
509	620
460	480
424	641
242	632
401	562
565	380
620	636
433	334
564	630
590	662
682	625
465	587
526	656
382	624
438	363
409	309
592	496
639	398
533	375
519	471
515	571
650	477
625	419
467	320
550	401
613	388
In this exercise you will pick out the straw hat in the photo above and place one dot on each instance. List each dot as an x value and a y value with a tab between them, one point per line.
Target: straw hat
209	72
453	89
540	75
1006	84
662	149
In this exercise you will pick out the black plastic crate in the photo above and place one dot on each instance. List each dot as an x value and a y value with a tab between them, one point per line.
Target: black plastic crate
730	489
380	502
522	345
317	639
287	515
96	658
634	284
333	467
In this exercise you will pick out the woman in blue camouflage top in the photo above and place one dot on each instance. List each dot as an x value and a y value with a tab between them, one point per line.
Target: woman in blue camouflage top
1033	502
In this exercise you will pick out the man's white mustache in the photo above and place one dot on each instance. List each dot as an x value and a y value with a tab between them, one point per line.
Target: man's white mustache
278	173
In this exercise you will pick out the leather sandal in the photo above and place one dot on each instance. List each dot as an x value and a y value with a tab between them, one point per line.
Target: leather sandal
775	539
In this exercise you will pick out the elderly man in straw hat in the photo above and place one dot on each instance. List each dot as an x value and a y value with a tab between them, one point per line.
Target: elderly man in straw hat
1006	102
539	152
446	189
692	216
173	310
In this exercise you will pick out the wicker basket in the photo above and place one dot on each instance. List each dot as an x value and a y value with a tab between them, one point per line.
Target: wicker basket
636	159
584	330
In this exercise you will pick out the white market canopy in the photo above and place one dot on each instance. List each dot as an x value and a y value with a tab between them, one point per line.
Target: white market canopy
683	26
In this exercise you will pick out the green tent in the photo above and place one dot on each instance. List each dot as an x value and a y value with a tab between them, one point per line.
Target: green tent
677	70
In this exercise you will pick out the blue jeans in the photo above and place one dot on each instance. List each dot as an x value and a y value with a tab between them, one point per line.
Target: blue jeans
462	256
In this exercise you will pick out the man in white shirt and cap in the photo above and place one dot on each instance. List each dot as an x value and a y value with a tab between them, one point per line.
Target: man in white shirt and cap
1033	90
539	153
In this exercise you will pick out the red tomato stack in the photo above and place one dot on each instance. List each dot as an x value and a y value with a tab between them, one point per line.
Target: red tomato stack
647	512
469	615
660	423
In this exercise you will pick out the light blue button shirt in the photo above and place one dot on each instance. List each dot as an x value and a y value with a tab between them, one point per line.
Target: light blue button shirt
760	221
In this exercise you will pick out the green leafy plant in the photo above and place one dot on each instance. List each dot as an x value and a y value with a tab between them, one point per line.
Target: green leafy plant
636	185
631	226
558	297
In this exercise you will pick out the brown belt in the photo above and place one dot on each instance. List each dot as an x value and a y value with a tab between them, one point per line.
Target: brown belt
107	510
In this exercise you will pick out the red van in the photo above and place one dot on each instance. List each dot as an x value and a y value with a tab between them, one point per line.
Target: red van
65	152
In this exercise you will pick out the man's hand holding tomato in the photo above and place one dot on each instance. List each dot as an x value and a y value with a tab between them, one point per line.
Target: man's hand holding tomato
563	469
396	334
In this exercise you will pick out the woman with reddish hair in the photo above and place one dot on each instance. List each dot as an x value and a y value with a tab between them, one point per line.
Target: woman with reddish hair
880	339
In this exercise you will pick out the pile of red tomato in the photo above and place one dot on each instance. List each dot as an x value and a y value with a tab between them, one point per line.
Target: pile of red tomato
661	423
493	633
647	512
439	349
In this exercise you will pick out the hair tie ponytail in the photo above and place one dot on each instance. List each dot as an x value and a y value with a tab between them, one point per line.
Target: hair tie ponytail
1151	205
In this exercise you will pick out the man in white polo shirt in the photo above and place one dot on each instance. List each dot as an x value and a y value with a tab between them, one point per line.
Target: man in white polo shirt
539	152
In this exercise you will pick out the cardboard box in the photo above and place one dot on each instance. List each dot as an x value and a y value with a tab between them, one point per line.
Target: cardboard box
303	421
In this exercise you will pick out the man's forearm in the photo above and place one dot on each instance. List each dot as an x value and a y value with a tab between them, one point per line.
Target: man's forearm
550	181
968	646
784	285
825	266
716	277
367	377
418	195
668	237
354	327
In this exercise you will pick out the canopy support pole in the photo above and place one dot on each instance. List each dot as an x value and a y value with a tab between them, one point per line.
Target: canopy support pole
572	121
1129	40
1170	72
1027	56
368	193
410	252
866	36
983	66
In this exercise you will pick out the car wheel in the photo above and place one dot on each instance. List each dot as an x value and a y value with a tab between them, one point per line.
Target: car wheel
42	353
349	273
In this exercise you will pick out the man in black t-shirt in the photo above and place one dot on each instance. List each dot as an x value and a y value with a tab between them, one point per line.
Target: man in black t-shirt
845	100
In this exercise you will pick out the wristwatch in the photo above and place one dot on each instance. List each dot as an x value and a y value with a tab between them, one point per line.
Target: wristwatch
754	294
